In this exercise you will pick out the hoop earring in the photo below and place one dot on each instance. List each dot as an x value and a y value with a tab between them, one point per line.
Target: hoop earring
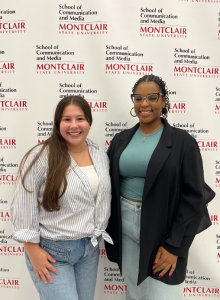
131	113
164	112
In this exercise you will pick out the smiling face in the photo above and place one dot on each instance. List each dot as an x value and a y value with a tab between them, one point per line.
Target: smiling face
149	114
74	127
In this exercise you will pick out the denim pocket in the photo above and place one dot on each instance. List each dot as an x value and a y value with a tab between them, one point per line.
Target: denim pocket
130	219
59	253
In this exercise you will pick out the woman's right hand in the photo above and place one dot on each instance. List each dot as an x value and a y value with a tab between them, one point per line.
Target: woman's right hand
39	259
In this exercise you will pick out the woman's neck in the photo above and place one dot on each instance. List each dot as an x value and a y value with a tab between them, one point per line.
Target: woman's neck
148	128
77	148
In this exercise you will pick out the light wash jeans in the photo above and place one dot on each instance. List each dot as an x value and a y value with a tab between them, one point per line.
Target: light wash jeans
77	264
149	289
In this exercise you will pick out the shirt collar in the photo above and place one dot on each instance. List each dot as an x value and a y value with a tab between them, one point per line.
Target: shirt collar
91	143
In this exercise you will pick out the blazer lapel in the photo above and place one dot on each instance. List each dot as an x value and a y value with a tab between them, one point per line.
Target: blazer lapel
121	145
158	158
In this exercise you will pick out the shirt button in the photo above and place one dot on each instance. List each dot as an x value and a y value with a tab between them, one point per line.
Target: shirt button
138	206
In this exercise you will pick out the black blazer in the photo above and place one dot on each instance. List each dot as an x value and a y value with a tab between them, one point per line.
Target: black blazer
173	204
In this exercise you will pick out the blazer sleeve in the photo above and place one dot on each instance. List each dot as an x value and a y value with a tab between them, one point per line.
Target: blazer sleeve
112	251
192	215
110	148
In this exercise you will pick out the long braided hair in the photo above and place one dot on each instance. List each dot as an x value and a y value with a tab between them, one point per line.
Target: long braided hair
161	84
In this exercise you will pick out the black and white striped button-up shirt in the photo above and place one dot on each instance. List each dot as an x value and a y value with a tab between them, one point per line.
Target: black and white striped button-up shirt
79	215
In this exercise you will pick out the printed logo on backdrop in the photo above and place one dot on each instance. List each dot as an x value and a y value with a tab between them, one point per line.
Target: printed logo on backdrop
156	22
4	270
217	100
2	201
8	176
201	291
8	103
77	89
219	25
6	66
120	60
176	107
193	278
214	218
78	20
198	285
188	64
5	237
7	248
218	247
7	143
12	250
44	130
102	253
51	60
205	144
5	215
217	173
9	23
97	105
9	283
114	283
2	129
202	1
111	128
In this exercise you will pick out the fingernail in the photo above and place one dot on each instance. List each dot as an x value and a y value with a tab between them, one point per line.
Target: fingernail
159	276
154	262
154	272
170	276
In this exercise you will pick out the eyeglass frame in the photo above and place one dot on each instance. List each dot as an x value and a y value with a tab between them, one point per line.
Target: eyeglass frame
158	94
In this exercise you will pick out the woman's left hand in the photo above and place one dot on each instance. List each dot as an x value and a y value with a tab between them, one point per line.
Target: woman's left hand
164	261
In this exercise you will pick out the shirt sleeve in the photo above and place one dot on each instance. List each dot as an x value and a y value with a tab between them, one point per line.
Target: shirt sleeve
192	215
106	160
24	206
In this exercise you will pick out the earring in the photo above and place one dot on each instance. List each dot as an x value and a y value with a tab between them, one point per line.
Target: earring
131	113
164	112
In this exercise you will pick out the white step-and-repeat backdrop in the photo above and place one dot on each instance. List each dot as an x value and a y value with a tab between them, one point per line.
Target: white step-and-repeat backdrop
98	49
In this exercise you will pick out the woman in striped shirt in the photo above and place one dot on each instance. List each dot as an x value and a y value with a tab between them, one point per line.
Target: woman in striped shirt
61	206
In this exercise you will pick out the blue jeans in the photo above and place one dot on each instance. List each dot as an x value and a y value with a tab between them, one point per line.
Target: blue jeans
149	289
77	264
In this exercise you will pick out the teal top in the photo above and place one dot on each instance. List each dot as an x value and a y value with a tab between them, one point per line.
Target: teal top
134	161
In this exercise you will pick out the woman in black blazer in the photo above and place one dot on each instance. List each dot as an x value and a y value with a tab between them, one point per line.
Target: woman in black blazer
159	197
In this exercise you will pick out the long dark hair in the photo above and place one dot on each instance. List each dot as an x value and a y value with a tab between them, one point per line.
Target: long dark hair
161	84
58	157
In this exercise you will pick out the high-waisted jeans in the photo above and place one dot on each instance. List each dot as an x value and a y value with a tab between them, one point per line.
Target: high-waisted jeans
77	264
149	289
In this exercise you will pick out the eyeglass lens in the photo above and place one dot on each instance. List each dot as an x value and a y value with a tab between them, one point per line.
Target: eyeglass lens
152	98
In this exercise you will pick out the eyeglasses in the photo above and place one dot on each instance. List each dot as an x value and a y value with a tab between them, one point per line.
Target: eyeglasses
151	98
